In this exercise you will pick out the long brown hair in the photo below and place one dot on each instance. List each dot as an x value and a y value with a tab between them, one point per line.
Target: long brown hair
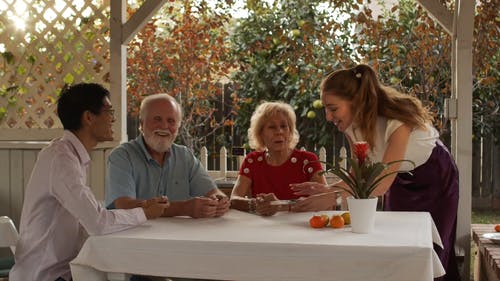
369	99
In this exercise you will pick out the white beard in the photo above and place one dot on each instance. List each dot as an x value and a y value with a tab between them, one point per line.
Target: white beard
159	143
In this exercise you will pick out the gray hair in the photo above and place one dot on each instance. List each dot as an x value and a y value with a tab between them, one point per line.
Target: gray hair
161	96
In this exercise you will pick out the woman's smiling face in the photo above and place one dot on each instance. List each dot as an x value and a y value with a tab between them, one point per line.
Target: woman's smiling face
338	111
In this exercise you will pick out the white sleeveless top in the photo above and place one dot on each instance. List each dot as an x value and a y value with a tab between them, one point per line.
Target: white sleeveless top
421	142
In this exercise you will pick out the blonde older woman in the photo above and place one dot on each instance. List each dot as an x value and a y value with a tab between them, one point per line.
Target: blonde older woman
266	173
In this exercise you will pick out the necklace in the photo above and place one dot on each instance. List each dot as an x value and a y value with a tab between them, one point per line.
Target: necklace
277	160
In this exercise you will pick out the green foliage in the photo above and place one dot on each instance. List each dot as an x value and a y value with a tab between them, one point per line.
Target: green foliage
486	90
15	87
8	57
485	216
410	51
284	50
285	54
279	52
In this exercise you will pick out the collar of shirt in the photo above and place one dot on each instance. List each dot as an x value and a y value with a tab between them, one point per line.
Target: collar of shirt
142	145
83	154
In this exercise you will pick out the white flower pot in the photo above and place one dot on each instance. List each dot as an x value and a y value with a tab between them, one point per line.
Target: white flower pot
362	214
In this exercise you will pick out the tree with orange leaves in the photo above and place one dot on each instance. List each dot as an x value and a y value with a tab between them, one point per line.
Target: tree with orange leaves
184	53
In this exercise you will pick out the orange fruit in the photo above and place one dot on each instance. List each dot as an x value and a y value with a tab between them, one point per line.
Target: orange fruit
347	218
337	221
316	222
326	219
497	228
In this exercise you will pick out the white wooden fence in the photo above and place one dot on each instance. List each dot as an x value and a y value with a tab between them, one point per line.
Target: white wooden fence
223	173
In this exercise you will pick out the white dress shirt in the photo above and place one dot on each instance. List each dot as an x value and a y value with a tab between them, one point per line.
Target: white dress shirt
59	210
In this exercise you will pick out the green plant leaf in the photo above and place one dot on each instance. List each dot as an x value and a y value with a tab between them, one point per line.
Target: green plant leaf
340	172
375	171
21	70
31	59
376	182
350	191
358	173
68	79
3	112
8	57
12	100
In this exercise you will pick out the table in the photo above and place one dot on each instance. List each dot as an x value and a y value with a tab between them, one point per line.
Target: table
487	259
242	246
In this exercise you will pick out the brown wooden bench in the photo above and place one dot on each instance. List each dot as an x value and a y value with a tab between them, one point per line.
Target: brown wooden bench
487	258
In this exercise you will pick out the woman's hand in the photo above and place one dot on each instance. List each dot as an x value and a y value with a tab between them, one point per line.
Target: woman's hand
309	188
263	205
316	202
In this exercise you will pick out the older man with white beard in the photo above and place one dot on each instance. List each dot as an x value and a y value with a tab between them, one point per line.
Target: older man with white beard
151	167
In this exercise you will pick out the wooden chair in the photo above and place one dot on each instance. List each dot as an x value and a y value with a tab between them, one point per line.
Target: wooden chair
8	238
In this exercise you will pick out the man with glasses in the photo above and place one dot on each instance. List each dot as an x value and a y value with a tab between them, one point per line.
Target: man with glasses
58	206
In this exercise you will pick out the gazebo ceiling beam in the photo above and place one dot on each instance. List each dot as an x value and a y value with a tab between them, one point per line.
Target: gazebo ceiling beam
440	13
139	19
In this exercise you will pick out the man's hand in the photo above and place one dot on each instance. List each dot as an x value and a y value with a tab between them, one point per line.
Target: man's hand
159	199
202	207
155	207
223	204
152	210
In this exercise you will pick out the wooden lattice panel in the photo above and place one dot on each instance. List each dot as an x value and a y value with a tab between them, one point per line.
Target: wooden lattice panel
47	44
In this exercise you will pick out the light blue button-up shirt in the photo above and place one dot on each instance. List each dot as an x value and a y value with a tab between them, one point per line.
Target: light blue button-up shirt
132	172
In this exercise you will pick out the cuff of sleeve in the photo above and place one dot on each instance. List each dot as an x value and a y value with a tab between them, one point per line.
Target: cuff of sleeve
141	216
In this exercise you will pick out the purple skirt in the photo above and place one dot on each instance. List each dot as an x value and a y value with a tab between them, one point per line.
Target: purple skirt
432	188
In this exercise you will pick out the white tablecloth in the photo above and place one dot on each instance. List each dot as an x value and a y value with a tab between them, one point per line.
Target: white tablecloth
241	246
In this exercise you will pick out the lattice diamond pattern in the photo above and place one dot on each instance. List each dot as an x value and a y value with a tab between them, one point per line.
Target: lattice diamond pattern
46	44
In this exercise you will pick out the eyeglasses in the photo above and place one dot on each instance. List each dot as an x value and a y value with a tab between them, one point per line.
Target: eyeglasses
111	112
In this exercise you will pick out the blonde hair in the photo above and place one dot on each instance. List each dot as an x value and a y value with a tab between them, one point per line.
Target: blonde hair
261	116
369	99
